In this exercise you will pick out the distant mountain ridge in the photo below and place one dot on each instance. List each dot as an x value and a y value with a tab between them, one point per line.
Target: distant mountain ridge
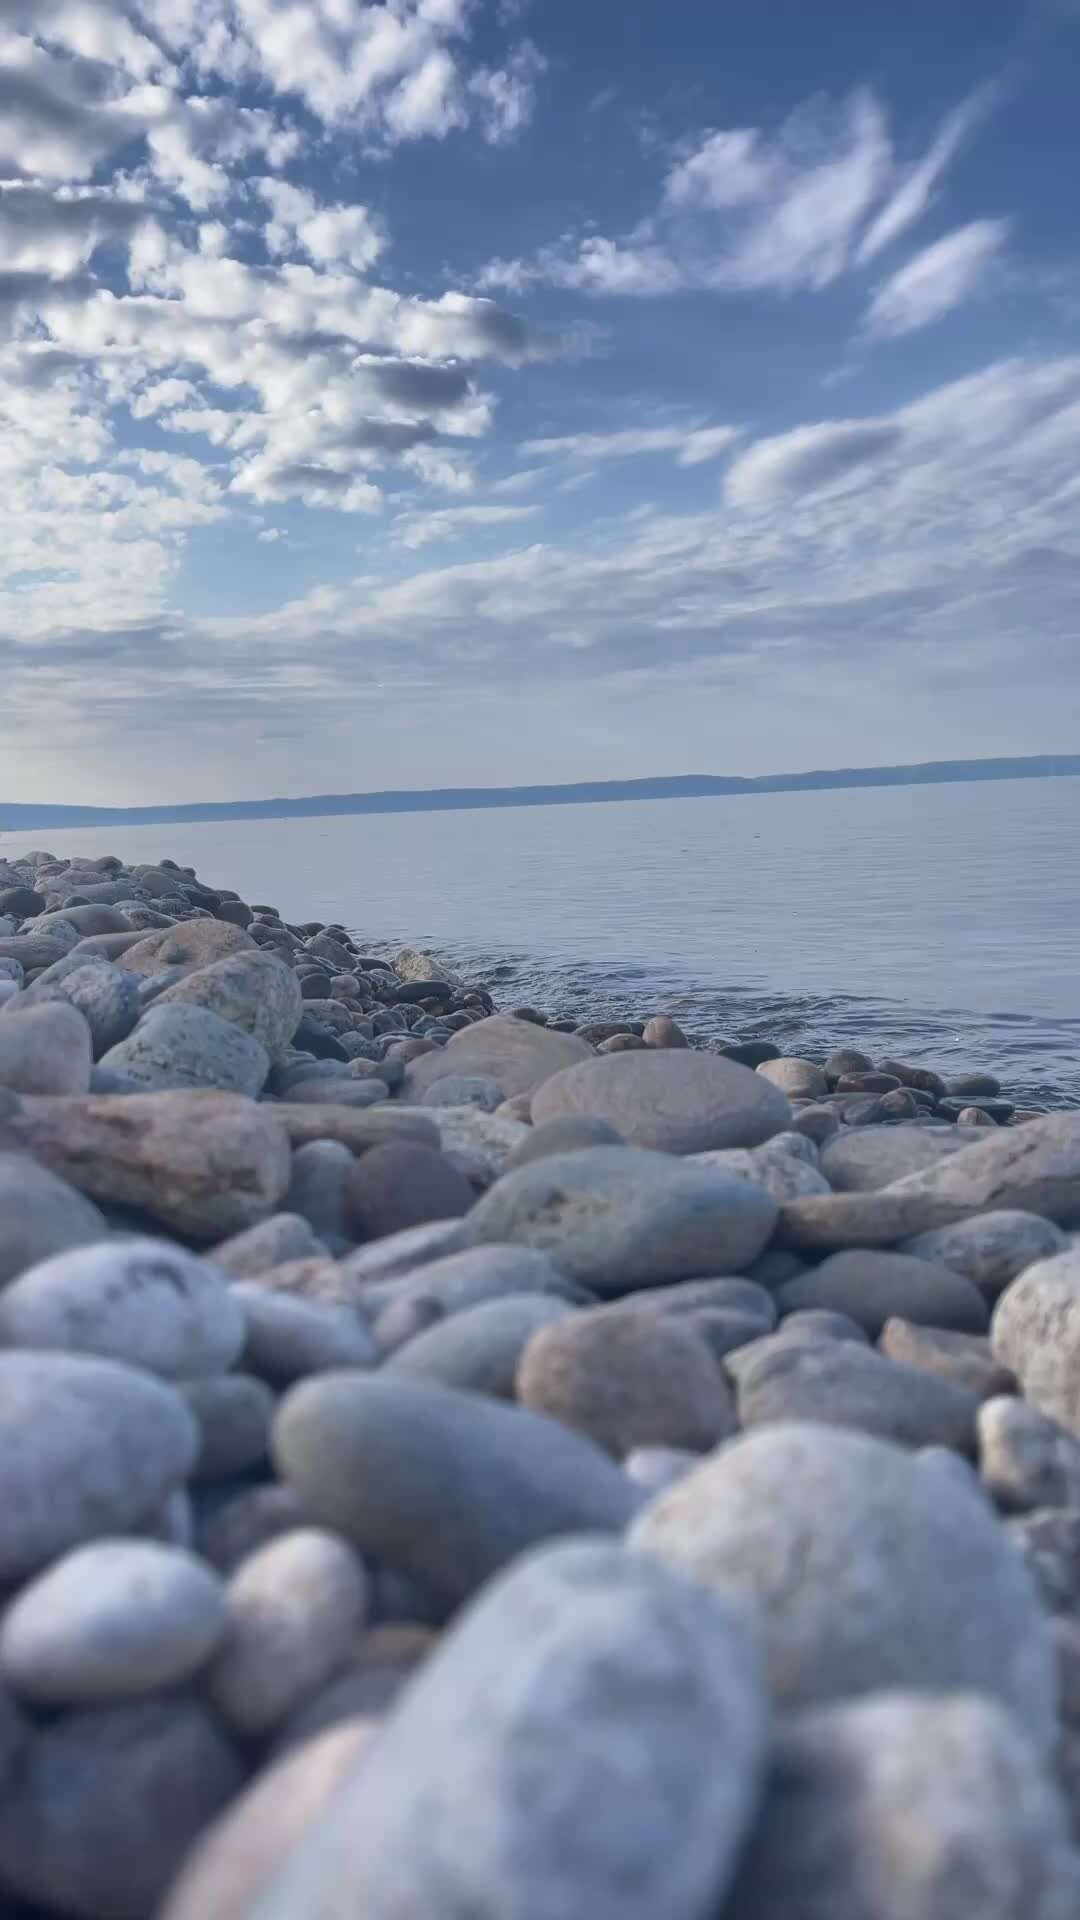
686	786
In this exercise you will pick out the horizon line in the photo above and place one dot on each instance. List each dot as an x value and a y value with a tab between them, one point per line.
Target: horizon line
19	816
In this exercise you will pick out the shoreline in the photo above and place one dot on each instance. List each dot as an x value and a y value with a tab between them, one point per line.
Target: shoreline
409	1407
371	990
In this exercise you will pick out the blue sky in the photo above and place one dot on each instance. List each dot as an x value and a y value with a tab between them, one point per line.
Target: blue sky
443	392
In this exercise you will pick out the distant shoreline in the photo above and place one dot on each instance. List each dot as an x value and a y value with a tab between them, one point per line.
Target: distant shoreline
16	817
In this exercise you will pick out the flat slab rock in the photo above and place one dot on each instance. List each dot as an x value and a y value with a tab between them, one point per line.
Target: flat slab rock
205	1164
1034	1168
676	1102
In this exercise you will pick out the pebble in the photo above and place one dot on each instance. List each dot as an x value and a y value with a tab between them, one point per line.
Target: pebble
672	1101
195	943
204	1164
242	1853
663	1031
744	1359
45	1049
285	1236
471	1801
317	1278
869	1571
723	1330
188	1046
233	1412
817	1124
316	1193
782	1174
87	1447
907	1807
465	1090
657	1468
146	1302
799	1079
477	1350
481	1143
462	1280
442	1485
964	1085
872	1286
254	991
517	1055
1036	1331
111	1621
92	918
824	1321
963	1357
631	1294
845	1060
230	1525
616	1218
400	1185
361	1093
107	998
381	1663
843	1384
1026	1459
569	1135
293	1610
107	1803
1049	1541
353	1128
729	1294
991	1249
288	1337
401	1253
40	1216
865	1158
35	951
23	903
628	1380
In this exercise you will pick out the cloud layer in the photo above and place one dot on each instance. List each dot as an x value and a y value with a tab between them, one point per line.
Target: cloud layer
213	342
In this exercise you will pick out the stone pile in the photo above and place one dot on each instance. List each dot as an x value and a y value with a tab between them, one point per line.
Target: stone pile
455	1465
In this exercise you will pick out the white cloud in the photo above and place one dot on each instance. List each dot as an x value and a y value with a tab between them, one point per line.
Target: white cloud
830	455
933	282
421	529
331	236
914	191
151	303
748	211
691	445
929	547
507	95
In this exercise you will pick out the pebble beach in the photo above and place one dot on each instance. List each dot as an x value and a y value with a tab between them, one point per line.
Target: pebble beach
469	1463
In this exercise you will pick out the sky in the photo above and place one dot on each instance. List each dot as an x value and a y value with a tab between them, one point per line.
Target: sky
414	393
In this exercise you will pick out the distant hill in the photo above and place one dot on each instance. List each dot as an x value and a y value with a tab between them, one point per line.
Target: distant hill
686	786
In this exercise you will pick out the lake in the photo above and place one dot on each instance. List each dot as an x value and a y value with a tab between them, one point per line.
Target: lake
938	922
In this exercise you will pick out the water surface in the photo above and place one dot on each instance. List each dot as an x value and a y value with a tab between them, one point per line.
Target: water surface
940	922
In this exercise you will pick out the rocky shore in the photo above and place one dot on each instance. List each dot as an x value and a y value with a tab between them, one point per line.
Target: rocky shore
460	1463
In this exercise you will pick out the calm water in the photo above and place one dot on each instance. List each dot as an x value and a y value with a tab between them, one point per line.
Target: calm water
940	922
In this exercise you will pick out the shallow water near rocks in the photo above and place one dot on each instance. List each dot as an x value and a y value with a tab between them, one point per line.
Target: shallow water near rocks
937	922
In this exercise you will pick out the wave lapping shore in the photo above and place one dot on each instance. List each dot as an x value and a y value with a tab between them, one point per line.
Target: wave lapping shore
419	1420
